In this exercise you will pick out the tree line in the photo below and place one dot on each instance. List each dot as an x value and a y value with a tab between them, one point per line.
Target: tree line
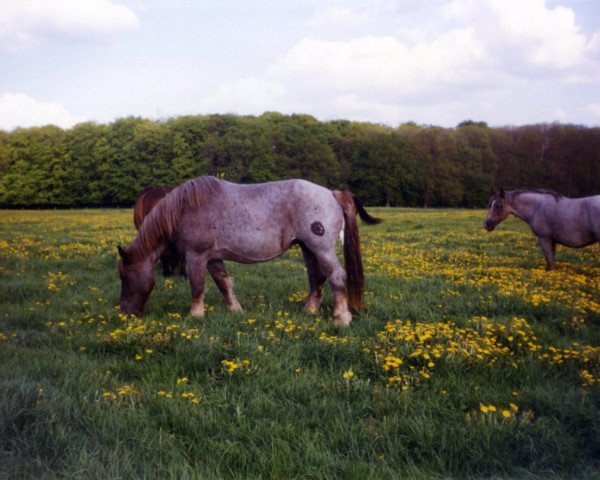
411	165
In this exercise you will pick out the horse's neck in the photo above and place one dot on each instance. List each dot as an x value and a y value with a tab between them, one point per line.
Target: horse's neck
142	254
524	206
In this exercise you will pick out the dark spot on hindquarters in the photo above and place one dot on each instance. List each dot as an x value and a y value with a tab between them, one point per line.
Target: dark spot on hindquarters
317	228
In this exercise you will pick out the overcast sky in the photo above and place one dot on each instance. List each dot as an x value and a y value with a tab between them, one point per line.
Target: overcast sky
505	62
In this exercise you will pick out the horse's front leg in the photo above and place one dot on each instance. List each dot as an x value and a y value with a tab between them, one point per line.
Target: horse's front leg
548	247
224	283
196	265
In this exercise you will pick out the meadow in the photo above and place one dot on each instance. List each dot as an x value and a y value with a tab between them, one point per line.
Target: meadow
469	360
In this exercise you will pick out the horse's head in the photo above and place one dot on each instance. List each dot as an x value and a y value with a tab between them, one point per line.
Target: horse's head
498	210
137	281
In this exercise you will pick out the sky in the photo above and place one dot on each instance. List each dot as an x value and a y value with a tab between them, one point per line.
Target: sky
433	62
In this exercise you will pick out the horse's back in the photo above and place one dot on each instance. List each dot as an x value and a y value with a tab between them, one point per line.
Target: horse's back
290	205
257	222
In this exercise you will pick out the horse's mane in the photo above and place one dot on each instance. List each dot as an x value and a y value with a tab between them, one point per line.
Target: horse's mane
146	200
557	196
162	220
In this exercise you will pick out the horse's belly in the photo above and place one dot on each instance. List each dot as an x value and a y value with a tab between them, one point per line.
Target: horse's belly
252	246
576	239
248	254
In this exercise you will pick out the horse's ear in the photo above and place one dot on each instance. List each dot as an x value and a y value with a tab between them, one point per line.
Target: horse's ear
123	253
501	193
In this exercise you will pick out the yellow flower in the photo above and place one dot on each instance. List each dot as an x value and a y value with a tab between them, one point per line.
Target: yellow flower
506	413
348	374
483	408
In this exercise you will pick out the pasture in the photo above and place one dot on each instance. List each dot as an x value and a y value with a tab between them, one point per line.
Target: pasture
469	360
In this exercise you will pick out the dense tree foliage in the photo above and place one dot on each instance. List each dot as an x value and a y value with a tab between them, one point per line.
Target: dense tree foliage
412	165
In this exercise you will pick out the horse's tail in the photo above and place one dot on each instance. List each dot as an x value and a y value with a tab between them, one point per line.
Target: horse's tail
355	279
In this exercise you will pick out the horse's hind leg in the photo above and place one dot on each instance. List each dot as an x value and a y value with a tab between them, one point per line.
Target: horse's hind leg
315	280
329	266
196	272
221	278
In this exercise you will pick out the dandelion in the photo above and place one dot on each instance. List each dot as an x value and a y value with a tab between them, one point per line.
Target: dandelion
348	374
506	413
483	408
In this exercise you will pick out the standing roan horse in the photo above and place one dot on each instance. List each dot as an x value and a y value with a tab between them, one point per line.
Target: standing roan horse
212	220
574	222
171	261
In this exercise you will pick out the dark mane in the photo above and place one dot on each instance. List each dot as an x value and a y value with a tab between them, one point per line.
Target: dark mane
160	223
557	196
145	202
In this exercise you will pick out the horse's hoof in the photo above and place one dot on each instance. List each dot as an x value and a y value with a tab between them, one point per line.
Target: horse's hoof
342	319
311	309
197	311
235	308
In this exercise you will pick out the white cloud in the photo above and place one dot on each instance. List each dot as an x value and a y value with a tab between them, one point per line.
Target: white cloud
20	110
370	65
594	109
524	33
480	47
336	14
26	24
246	96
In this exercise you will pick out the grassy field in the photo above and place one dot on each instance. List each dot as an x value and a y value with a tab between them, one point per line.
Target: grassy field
469	361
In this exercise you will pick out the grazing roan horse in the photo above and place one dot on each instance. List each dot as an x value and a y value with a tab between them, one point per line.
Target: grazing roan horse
171	261
212	220
553	218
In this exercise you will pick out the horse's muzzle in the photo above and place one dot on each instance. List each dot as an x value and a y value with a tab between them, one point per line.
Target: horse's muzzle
489	225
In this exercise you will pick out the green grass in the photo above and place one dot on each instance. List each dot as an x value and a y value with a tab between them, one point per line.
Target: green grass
85	393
